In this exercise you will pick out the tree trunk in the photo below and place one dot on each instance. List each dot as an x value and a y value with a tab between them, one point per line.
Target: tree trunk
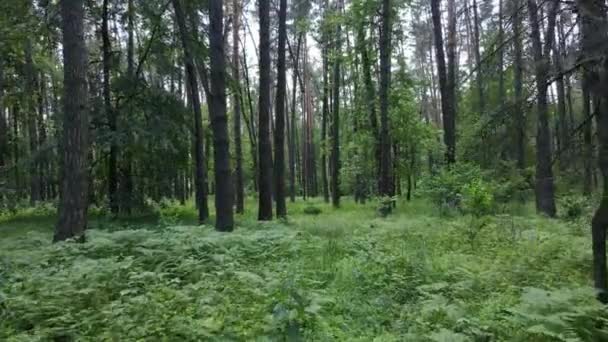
519	108
335	125
3	127
587	137
545	192
325	112
237	100
292	148
265	149
594	28
30	91
199	181
385	74
219	120
447	76
279	132
73	202
478	66
109	111
126	200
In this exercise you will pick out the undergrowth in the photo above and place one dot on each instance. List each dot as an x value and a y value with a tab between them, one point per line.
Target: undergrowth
343	274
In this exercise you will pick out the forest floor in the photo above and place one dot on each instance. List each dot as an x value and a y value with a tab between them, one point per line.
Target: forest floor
344	274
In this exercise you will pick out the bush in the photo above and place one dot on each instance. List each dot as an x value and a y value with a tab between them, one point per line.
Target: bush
386	206
312	210
573	206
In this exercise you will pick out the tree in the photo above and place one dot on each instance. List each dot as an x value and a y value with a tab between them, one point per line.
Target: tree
518	108
236	99
595	75
73	202
264	149
219	120
447	75
279	132
110	113
335	124
195	102
385	74
544	189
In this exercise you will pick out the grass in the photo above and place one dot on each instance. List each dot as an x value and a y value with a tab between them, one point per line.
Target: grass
344	274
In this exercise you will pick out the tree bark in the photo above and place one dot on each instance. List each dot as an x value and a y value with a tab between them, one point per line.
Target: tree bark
73	202
545	192
385	79
279	132
109	111
446	75
335	125
237	100
199	181
219	120
519	108
265	149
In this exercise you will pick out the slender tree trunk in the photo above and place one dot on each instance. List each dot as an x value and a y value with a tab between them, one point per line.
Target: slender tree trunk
199	181
30	90
236	99
479	73
446	75
370	95
545	192
587	137
73	203
385	74
279	133
335	125
518	108
325	114
43	158
219	120
292	152
126	200
265	149
109	111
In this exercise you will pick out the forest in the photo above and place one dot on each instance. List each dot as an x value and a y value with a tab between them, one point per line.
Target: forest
303	170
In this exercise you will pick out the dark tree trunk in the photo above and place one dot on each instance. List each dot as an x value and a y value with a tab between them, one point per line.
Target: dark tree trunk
385	74
292	131
265	149
594	28
199	158
519	108
109	111
219	120
335	125
479	72
370	96
587	137
446	77
30	91
126	201
73	203
237	100
279	132
545	192
325	115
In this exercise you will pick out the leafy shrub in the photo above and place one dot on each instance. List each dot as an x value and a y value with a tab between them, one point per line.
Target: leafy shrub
573	206
461	188
386	206
312	210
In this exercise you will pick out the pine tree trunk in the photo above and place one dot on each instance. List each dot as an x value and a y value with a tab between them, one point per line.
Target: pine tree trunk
199	158
30	90
279	133
237	100
126	200
518	108
545	192
335	124
385	74
265	149
109	111
219	120
73	203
